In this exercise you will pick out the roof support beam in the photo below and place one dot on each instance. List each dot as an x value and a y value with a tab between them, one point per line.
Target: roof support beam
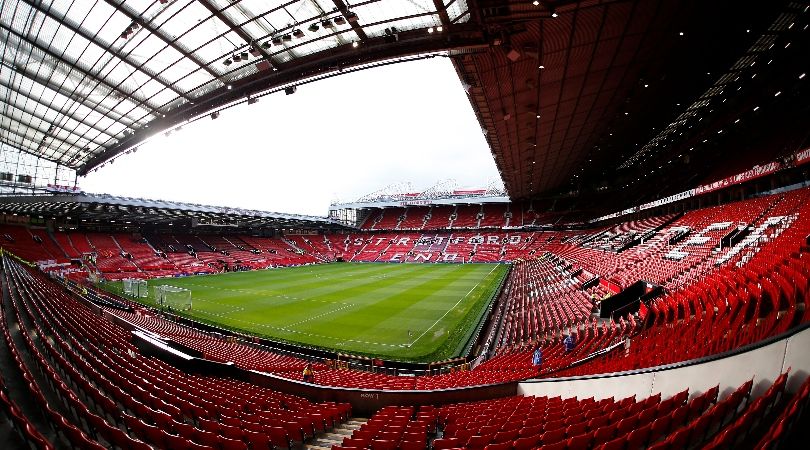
21	145
47	82
316	65
59	111
439	4
55	125
74	65
23	126
341	6
156	32
37	152
237	30
108	47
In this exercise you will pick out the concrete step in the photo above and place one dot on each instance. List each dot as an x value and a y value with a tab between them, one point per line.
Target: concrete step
325	441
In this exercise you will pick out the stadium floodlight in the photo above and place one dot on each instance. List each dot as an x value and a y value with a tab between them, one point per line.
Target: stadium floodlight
297	33
327	24
314	27
355	44
340	20
214	115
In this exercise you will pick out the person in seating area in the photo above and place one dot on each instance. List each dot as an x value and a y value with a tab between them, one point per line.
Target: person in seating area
537	358
569	342
309	375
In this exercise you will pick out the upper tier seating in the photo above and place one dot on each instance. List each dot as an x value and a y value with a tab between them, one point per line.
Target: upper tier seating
414	218
439	217
467	216
493	216
21	242
109	253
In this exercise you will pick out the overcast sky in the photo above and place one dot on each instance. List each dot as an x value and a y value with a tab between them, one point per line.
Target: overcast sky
339	138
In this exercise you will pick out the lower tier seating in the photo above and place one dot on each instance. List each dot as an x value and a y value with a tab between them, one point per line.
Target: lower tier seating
89	365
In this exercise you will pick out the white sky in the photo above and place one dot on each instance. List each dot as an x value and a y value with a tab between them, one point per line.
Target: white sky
339	138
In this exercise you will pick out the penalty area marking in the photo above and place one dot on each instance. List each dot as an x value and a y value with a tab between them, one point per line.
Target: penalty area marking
450	309
303	333
345	305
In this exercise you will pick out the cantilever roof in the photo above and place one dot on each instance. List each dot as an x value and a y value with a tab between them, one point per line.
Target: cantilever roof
572	95
104	207
83	81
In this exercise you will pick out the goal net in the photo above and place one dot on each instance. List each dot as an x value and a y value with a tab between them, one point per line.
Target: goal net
135	288
173	297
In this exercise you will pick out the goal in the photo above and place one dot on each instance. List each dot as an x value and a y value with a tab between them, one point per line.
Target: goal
135	288
173	297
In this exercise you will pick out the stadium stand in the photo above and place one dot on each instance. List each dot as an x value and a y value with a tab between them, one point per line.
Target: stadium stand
90	364
724	295
439	218
654	213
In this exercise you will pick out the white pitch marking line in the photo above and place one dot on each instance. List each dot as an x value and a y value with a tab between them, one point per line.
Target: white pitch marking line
264	325
454	306
347	305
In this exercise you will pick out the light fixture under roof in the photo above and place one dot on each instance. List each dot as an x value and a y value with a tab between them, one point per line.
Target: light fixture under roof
355	44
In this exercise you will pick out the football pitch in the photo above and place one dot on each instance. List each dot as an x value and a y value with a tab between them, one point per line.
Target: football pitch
409	312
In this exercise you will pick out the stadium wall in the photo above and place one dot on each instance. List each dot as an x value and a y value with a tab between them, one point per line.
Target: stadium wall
763	362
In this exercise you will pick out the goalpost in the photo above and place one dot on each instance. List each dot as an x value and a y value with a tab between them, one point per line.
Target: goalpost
135	288
173	297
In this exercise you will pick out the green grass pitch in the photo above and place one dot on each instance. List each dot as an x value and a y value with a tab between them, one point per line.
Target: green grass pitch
409	312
